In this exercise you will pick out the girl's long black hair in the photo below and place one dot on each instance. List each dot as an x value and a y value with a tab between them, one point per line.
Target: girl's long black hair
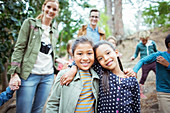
104	73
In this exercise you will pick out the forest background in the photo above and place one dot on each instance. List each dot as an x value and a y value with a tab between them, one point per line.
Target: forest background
147	14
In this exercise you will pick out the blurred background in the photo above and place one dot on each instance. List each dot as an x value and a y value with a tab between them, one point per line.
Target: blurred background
123	19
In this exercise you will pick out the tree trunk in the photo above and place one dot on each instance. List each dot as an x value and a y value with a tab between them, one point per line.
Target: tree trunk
105	4
110	15
4	78
119	29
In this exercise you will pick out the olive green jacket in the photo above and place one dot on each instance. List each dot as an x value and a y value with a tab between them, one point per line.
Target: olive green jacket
28	46
63	99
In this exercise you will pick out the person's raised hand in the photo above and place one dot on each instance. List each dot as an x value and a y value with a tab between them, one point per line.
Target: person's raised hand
162	61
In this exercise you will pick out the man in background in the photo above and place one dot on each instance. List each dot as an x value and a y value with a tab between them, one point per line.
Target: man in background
92	30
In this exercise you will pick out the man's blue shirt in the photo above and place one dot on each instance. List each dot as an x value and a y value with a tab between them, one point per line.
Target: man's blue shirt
94	34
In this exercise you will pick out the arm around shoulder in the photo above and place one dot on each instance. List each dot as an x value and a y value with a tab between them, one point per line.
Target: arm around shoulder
146	60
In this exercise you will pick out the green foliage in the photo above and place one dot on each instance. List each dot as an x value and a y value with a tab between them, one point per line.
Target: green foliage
103	23
12	14
157	15
70	24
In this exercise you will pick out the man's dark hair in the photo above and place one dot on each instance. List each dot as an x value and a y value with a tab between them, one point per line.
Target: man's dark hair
167	40
94	10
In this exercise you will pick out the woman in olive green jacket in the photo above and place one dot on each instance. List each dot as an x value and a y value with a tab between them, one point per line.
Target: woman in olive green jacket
33	59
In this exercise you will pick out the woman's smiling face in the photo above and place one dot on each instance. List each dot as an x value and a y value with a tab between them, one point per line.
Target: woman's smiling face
50	9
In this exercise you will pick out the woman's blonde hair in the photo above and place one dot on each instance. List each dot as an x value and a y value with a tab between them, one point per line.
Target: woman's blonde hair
40	16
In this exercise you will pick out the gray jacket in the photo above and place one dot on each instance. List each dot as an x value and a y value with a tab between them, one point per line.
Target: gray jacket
63	99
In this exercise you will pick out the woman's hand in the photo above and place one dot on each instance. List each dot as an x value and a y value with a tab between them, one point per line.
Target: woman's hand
130	73
68	76
15	82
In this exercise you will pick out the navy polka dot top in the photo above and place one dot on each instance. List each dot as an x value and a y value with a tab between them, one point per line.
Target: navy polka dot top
123	97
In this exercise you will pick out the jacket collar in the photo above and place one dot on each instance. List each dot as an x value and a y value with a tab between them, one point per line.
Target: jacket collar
94	75
39	24
95	29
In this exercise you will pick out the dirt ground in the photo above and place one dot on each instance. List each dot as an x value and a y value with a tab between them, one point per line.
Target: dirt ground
127	48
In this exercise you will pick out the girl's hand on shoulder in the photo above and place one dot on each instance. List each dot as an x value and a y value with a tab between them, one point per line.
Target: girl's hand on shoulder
67	77
130	73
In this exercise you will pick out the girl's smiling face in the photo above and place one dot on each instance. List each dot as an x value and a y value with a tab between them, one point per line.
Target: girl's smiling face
84	56
106	56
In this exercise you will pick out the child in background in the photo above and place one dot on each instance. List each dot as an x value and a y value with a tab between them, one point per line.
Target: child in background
145	47
117	94
82	93
8	94
162	60
69	51
113	41
68	56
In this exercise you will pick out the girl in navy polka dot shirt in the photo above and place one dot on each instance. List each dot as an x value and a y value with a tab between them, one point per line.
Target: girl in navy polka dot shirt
117	94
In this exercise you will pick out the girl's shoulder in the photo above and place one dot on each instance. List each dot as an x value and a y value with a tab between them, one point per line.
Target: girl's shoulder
131	80
31	22
139	43
62	72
